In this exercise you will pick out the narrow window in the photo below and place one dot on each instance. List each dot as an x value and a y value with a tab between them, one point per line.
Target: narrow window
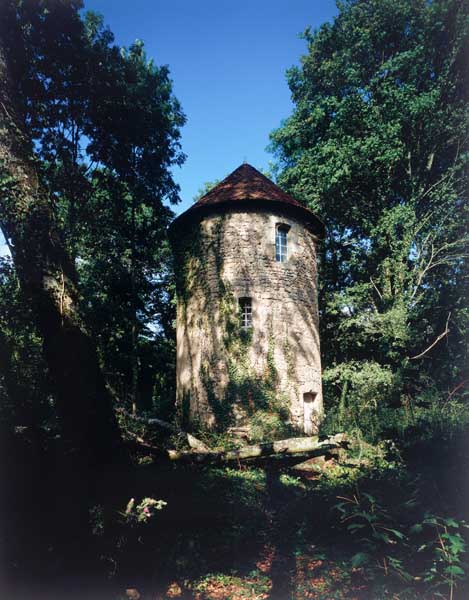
281	243
245	312
311	421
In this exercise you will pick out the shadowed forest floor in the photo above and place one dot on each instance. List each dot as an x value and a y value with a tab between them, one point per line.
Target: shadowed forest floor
242	532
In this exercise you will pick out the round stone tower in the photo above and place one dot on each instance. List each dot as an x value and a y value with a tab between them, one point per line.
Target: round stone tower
247	312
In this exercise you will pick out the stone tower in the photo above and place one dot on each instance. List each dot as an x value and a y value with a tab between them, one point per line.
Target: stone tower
247	313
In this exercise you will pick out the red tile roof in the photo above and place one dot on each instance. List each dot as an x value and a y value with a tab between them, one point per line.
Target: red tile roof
247	185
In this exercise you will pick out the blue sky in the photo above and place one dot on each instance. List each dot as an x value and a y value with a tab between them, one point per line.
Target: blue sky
227	61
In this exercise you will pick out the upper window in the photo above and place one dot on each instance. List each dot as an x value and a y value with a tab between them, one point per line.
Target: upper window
281	243
245	312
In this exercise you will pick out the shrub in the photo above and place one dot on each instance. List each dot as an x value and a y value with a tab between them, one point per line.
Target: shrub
355	393
358	399
388	542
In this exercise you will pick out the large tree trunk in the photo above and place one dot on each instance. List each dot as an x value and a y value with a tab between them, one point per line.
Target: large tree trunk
48	279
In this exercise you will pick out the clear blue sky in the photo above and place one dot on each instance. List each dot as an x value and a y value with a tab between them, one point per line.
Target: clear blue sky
227	60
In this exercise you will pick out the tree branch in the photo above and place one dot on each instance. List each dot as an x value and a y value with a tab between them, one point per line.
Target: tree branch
441	336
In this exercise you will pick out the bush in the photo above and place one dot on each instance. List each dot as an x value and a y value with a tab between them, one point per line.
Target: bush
427	554
355	393
361	399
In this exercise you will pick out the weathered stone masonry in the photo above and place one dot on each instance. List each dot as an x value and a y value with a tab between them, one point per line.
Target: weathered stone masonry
225	373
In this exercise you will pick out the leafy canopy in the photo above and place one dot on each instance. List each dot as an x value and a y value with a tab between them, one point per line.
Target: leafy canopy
377	145
105	131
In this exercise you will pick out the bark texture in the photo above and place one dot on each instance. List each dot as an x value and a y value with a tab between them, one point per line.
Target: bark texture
48	279
310	446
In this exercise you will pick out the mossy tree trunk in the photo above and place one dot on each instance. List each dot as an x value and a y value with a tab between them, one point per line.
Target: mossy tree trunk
49	281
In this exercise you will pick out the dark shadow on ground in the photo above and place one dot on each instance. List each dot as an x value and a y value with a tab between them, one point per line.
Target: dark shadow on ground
217	520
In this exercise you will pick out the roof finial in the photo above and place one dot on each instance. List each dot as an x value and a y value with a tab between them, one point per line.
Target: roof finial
245	162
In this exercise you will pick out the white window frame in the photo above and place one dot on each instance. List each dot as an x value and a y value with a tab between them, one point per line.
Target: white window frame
281	242
245	312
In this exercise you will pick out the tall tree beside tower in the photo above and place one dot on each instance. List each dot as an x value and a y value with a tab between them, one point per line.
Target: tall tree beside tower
88	133
377	145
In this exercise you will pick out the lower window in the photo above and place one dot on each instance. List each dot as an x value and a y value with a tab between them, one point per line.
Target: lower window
245	312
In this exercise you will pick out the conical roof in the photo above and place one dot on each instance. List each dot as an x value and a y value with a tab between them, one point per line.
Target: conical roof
246	187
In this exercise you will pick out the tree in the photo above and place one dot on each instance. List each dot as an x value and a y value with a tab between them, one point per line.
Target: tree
205	188
89	182
377	144
48	279
24	386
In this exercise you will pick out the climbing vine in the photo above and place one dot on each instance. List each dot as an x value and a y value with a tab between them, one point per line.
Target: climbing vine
240	393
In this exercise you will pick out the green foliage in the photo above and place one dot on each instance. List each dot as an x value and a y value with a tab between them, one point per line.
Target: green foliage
377	145
258	397
97	520
268	425
434	420
144	511
364	463
243	490
447	547
24	386
391	543
291	481
364	516
105	128
206	187
363	388
428	417
255	586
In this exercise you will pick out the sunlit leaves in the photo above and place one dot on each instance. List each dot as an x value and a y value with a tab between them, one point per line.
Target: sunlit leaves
377	146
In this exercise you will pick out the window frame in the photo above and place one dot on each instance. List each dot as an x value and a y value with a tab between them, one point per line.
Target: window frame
245	312
281	242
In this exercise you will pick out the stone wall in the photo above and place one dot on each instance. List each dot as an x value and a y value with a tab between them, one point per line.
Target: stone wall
224	373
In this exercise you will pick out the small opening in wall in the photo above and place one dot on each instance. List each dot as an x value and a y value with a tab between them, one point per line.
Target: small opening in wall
245	312
310	416
281	242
